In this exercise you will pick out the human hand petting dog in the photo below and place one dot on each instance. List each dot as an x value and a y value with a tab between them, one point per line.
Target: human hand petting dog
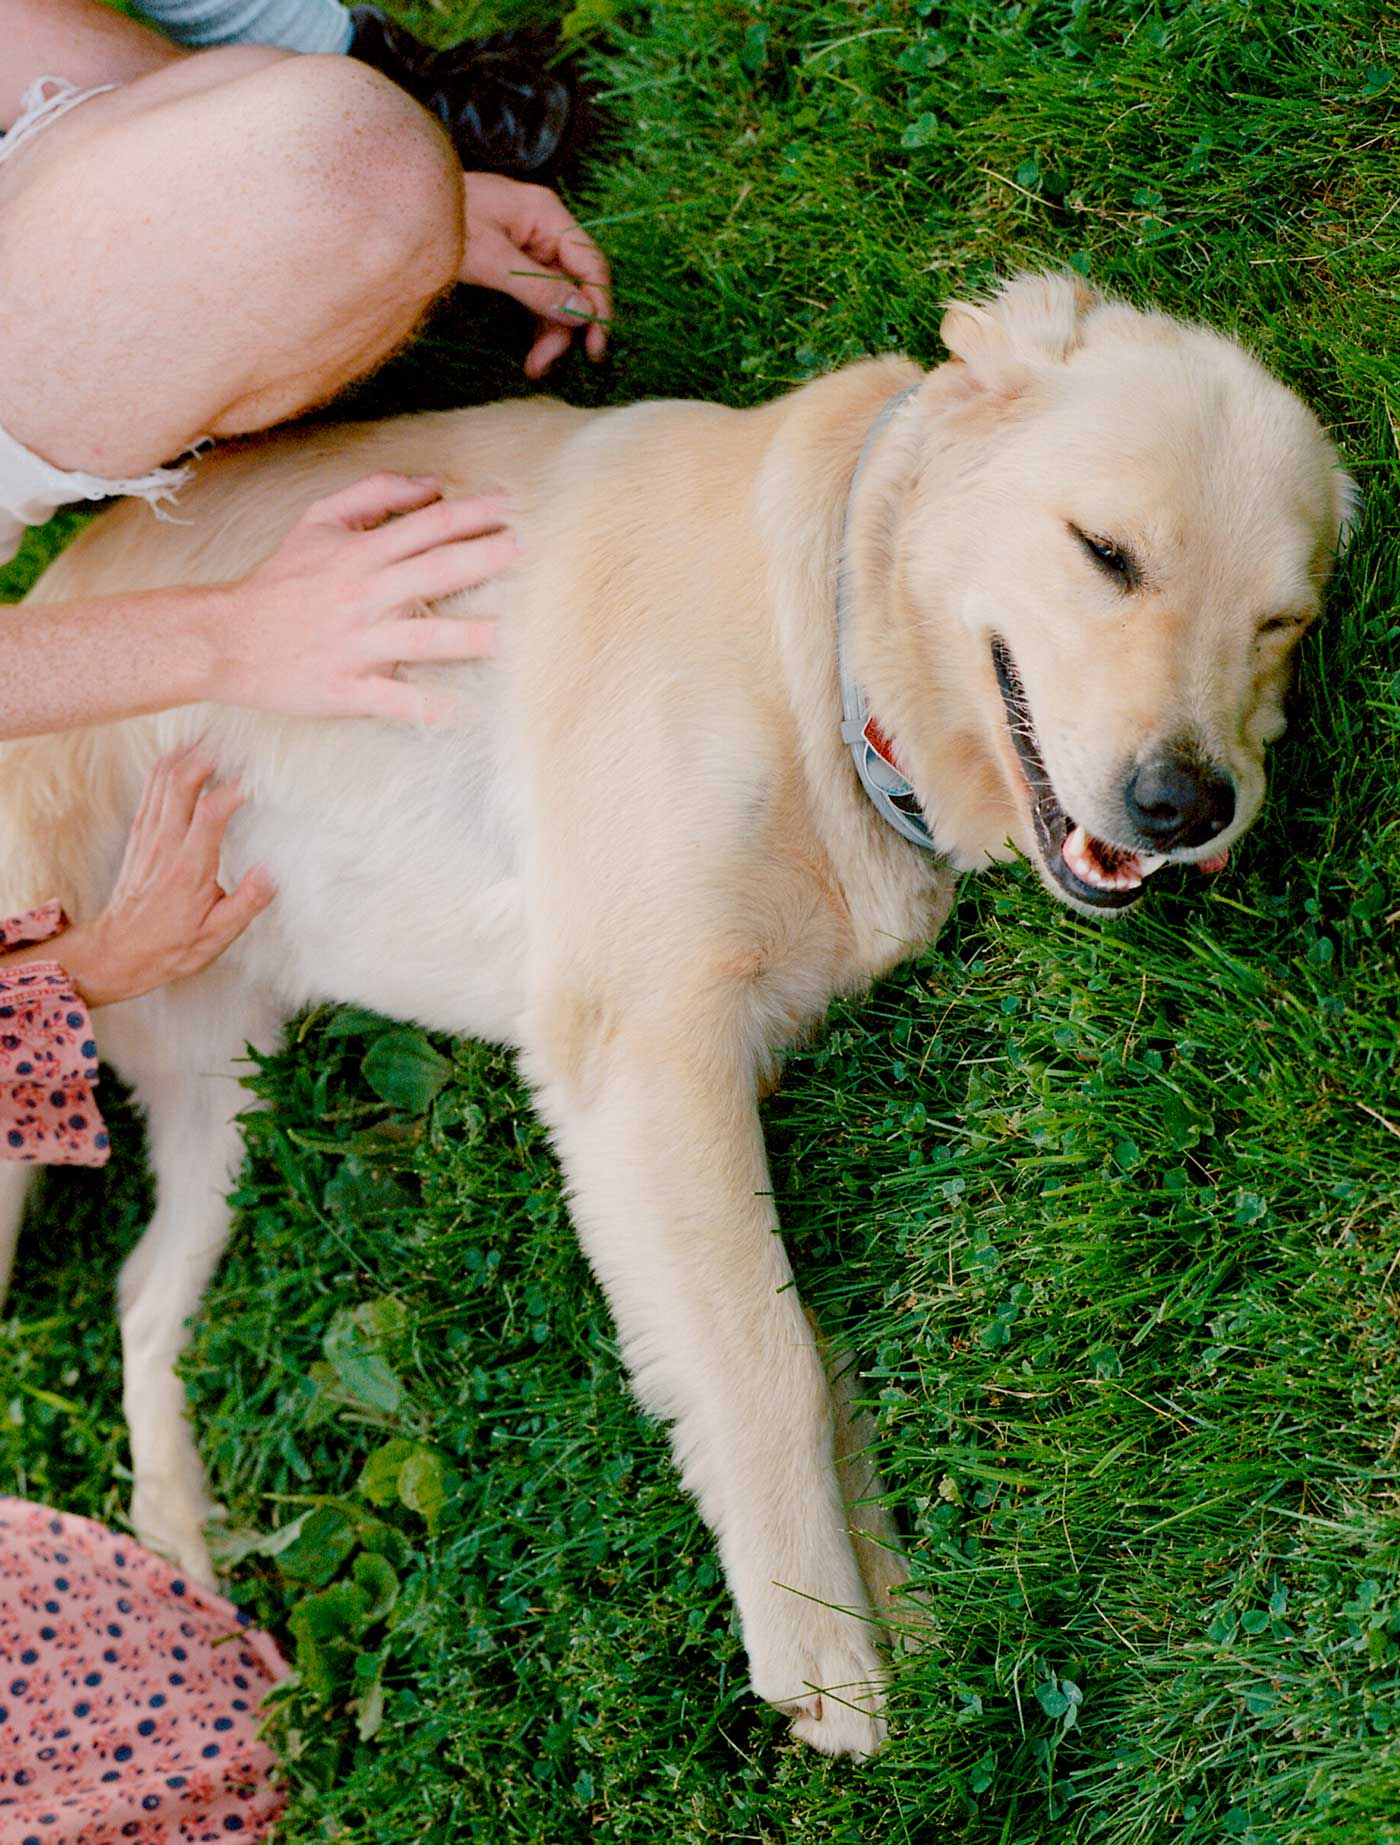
320	628
168	916
522	242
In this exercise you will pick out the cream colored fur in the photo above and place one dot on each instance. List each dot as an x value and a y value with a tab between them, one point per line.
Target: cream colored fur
643	858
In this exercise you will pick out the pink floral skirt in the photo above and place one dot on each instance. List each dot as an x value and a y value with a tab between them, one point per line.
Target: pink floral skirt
128	1697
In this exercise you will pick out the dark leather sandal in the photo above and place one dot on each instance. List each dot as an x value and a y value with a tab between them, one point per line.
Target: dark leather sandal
503	105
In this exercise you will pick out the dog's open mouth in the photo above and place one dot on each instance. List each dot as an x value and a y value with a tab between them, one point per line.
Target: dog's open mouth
1092	871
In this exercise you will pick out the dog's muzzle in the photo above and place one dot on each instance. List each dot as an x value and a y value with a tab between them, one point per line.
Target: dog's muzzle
1174	800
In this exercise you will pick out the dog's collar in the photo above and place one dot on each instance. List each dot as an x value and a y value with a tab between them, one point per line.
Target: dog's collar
890	790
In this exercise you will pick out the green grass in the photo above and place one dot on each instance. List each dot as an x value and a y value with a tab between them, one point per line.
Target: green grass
1113	1214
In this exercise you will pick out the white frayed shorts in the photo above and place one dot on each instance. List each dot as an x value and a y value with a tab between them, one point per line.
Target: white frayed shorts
31	489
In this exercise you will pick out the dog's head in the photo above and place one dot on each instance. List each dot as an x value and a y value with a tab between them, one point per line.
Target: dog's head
1128	534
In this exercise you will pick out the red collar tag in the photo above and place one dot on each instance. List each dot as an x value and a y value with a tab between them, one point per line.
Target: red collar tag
882	746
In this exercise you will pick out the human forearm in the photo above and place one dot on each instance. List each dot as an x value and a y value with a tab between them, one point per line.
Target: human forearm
71	664
319	629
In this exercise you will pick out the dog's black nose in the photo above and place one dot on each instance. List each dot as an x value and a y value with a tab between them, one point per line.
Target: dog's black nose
1174	799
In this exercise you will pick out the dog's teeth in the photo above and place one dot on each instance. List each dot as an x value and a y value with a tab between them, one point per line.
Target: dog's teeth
1075	852
1148	862
1078	853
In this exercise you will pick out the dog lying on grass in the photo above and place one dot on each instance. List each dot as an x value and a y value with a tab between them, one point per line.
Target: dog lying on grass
769	680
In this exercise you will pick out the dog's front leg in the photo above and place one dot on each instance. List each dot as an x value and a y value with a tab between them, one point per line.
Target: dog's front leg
178	1049
664	1155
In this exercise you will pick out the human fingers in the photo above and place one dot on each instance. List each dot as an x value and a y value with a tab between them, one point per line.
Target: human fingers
152	797
443	522
431	640
185	776
561	245
446	568
586	310
543	223
208	823
550	344
171	790
580	257
528	276
426	707
137	853
231	915
369	502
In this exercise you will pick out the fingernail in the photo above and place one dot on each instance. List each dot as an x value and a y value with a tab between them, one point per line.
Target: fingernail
575	307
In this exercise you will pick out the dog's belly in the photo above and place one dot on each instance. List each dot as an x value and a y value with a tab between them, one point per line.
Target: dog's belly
397	861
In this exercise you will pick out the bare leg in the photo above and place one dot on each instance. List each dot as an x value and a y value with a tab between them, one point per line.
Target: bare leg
79	39
219	245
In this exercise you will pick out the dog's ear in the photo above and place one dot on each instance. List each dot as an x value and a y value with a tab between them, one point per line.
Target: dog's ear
1031	321
1348	506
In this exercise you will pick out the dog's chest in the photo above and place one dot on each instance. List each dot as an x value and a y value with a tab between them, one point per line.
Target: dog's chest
397	860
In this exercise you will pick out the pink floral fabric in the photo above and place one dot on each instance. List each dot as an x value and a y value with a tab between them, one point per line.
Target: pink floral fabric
48	1057
128	1696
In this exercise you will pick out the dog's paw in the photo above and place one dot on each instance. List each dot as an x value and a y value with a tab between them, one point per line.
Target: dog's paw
831	1682
841	1723
172	1525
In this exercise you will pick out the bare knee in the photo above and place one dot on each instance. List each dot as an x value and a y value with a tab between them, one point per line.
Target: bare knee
282	231
362	168
368	204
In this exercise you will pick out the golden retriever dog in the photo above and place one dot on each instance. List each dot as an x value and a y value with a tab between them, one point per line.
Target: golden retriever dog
769	681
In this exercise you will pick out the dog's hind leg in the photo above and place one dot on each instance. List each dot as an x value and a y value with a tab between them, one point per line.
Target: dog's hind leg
192	1098
15	1179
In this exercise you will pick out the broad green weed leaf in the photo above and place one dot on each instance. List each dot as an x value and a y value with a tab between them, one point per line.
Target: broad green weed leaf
337	1613
379	1477
323	1540
351	1347
380	1582
356	1191
425	1483
404	1069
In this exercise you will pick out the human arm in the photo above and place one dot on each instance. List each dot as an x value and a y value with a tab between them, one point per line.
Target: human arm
316	630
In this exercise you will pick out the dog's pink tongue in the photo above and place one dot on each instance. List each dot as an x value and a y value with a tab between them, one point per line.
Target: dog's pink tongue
1211	865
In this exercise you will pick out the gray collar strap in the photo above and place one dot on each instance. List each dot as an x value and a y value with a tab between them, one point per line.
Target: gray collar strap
889	789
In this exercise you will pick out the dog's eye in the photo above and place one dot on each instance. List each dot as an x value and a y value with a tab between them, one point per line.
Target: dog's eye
1280	624
1108	557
